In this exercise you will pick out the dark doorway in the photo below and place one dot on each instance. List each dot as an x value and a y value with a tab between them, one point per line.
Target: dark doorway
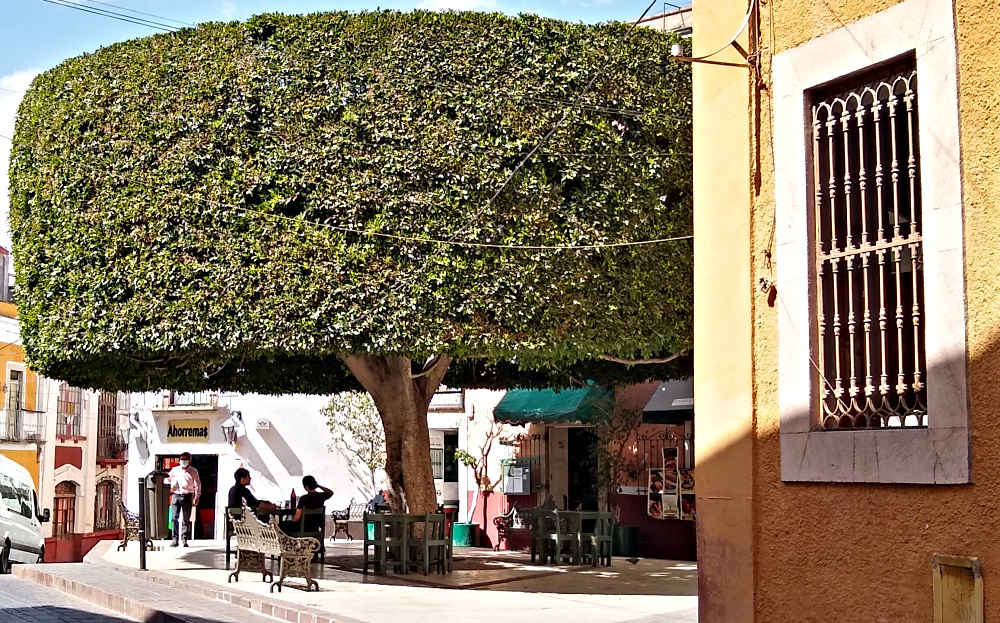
582	469
203	523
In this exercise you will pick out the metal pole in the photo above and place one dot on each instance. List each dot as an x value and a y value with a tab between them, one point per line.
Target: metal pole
142	523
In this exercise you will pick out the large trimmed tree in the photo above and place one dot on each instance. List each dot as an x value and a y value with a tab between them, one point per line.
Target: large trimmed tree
310	203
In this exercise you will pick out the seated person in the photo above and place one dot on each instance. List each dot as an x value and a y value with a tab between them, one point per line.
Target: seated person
380	499
312	499
240	494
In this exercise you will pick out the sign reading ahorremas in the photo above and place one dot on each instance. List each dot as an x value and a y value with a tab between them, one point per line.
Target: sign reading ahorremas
187	430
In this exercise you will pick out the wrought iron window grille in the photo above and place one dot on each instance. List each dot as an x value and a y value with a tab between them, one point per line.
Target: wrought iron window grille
868	249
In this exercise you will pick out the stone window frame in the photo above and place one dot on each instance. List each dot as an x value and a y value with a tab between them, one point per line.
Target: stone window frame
939	453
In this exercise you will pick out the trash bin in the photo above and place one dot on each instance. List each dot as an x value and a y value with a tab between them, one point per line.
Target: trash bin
157	505
463	534
623	541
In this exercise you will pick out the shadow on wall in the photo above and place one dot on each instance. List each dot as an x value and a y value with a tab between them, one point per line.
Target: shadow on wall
253	460
871	541
361	476
285	455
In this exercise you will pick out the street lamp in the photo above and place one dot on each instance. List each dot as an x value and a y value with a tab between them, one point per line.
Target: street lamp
126	431
230	428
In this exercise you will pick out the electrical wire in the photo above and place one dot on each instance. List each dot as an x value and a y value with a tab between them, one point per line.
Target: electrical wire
575	103
122	17
122	8
7	137
746	20
12	91
424	240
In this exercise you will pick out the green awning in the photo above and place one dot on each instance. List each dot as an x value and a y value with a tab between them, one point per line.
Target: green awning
586	405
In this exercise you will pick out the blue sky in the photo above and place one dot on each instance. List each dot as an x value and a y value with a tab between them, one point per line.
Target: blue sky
36	35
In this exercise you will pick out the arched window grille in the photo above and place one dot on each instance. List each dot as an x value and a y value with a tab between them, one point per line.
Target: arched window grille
106	507
869	251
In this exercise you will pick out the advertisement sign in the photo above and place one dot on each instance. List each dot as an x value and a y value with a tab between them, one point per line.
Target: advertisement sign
187	431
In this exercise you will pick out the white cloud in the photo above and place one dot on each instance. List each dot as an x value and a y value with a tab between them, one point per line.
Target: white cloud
459	5
12	89
228	9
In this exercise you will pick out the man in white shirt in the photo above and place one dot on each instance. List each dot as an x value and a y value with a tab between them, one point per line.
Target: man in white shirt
185	489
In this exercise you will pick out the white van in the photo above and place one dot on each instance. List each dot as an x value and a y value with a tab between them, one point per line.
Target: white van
20	519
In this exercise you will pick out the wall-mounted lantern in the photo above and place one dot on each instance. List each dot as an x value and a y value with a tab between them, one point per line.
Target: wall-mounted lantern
231	427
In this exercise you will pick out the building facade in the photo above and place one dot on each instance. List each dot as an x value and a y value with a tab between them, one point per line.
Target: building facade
846	282
69	440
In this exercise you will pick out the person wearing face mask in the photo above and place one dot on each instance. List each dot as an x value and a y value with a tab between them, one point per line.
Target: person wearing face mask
185	489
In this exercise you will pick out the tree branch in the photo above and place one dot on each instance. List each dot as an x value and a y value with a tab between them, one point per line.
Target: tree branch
632	362
429	380
428	367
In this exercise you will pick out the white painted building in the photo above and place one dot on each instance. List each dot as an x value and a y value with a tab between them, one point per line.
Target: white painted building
280	439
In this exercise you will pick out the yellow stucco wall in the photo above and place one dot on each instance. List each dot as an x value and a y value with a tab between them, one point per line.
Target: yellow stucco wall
863	552
722	330
27	459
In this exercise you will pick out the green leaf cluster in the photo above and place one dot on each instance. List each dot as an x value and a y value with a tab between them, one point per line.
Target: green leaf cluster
166	191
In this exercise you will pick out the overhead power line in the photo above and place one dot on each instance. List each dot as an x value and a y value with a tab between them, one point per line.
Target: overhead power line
122	17
426	240
576	102
122	8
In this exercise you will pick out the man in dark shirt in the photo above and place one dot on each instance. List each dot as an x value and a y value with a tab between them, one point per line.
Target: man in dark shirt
239	493
312	499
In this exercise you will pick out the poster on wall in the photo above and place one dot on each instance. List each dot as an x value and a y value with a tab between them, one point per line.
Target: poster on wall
654	506
687	506
670	472
661	500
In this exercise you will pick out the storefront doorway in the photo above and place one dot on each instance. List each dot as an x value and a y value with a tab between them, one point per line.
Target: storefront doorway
208	471
582	491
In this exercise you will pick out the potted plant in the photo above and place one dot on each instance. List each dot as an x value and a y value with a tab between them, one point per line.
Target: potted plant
480	467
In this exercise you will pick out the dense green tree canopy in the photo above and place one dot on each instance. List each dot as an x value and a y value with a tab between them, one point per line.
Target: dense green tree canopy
235	205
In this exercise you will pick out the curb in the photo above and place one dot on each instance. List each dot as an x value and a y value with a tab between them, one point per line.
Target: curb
99	597
282	611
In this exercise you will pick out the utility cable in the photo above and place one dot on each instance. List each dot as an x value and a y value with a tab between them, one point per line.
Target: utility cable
746	20
116	16
424	240
561	120
122	8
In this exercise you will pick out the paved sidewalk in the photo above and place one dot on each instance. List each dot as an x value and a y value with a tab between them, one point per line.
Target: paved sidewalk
130	596
22	601
504	585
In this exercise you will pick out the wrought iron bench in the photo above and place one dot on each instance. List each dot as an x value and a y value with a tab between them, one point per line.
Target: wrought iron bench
355	511
255	541
514	519
130	527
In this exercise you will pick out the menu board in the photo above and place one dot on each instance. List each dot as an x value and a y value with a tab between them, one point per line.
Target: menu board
671	490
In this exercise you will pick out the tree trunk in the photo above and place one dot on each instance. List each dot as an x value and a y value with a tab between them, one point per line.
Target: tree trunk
402	399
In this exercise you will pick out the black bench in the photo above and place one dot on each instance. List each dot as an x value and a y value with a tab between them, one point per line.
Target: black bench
355	511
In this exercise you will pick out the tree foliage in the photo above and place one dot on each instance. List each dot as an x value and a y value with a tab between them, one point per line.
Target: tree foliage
199	209
357	431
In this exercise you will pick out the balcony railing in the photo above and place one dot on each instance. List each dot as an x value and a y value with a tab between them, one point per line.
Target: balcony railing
68	425
110	448
21	425
192	399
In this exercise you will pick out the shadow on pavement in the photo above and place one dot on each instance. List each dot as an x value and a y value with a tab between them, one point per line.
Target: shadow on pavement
55	614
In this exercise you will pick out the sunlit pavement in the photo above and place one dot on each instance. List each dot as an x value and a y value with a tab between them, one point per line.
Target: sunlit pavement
504	584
